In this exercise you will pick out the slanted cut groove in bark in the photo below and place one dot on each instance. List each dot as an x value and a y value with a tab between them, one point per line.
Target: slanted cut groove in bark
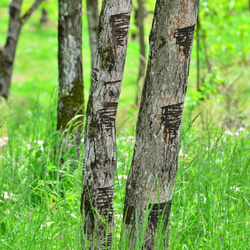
100	131
184	38
104	202
107	116
113	82
120	27
155	159
171	119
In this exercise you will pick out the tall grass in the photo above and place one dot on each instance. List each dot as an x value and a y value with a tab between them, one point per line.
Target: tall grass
40	196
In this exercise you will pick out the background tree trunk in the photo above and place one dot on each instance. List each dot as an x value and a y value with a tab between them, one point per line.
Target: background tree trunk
140	22
100	131
44	18
7	54
155	161
93	19
70	96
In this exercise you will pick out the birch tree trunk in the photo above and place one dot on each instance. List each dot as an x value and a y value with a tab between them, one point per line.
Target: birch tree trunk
141	15
70	96
151	179
100	130
7	54
93	19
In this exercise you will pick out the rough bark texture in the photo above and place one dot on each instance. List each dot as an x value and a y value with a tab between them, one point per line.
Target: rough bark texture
70	96
93	19
100	131
155	161
140	21
7	54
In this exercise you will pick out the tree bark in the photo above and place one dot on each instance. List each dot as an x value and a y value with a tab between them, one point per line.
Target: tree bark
7	54
93	19
70	96
151	179
44	18
140	22
100	130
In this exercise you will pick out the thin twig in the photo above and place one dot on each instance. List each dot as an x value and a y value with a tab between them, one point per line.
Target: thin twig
30	11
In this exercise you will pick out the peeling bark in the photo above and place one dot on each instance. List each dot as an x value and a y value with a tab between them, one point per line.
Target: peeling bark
70	96
155	160
100	130
7	54
93	20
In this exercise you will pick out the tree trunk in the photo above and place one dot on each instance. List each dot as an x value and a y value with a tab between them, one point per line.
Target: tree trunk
100	131
198	53
93	19
7	54
70	96
155	161
140	22
44	18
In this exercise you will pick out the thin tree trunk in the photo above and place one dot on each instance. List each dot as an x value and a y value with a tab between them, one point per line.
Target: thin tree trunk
70	96
198	53
151	179
44	18
93	19
7	54
100	130
141	15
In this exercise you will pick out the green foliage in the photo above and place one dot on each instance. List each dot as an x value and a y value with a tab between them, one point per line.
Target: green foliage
40	197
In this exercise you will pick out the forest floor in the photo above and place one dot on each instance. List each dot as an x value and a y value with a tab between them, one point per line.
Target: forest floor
40	197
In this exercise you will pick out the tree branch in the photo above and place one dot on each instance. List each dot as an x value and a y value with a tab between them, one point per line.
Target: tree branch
30	11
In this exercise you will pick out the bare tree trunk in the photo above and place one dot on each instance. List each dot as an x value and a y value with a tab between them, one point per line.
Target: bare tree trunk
100	130
141	15
93	19
70	96
44	18
198	53
7	54
151	179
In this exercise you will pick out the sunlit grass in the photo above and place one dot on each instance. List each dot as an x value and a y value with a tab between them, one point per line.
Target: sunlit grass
40	197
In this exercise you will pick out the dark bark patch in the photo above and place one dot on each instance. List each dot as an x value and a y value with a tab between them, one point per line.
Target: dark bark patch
163	42
171	119
120	28
95	74
112	82
13	11
107	116
104	203
1	87
184	38
88	214
107	58
161	209
129	214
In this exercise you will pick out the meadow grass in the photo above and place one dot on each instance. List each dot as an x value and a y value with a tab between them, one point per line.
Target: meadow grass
40	197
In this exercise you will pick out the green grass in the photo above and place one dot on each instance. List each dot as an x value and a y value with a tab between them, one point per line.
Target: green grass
40	197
